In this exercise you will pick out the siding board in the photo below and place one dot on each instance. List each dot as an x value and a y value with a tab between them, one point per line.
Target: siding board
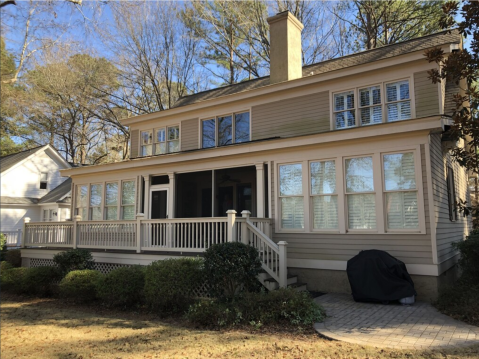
189	134
292	117
426	95
135	143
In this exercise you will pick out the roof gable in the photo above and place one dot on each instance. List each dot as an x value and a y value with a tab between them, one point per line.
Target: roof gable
7	162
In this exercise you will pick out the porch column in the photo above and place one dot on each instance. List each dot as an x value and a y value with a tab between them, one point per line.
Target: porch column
259	190
171	195
146	200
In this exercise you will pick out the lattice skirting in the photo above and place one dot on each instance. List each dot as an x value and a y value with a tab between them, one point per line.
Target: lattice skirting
201	291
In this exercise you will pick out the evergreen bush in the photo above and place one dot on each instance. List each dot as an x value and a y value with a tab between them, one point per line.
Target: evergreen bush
14	257
80	285
12	279
73	260
40	281
122	287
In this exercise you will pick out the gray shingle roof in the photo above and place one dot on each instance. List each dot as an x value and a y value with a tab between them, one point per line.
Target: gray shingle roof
18	200
9	161
56	195
380	53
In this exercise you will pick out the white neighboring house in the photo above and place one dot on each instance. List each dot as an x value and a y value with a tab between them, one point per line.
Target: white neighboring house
33	187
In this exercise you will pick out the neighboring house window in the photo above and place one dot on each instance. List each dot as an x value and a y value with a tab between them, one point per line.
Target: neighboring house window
47	215
400	191
324	196
146	140
361	198
225	130
344	112
111	201
451	195
82	202
398	101
291	196
43	180
372	107
128	200
96	194
166	140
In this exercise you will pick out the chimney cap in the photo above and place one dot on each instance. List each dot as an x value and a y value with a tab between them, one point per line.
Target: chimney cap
285	15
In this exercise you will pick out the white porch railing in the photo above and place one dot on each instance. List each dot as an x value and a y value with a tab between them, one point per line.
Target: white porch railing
172	235
13	238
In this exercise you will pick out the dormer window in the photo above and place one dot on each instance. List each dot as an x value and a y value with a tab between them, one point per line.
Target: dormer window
43	180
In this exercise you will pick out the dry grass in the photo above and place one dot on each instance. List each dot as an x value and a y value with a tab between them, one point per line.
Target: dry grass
43	328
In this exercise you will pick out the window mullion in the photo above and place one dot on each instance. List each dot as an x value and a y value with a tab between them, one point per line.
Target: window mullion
378	186
341	189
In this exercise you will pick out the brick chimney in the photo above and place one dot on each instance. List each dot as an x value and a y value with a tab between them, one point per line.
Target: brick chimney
285	47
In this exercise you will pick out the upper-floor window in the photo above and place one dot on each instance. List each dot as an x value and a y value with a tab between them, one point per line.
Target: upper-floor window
43	180
225	130
367	105
160	141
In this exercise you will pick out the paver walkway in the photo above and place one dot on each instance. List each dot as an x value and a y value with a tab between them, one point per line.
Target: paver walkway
419	326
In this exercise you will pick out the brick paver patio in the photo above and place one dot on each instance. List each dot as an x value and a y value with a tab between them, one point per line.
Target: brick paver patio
419	326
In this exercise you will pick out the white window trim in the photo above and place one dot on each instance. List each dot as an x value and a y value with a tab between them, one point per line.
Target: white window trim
233	128
40	181
382	86
152	131
311	195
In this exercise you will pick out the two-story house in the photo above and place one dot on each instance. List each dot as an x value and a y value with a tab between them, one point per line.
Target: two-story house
333	158
33	187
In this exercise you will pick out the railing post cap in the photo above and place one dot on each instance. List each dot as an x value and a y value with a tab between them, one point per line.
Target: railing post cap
140	215
282	243
27	219
77	217
230	211
245	213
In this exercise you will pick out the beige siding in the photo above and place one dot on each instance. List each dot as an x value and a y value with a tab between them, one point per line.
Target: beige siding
135	143
409	248
451	90
291	117
426	95
189	134
447	231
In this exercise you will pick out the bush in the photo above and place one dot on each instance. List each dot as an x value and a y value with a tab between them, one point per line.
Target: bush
460	301
14	257
73	260
122	287
283	306
12	279
80	285
469	261
3	246
169	284
4	265
40	281
230	268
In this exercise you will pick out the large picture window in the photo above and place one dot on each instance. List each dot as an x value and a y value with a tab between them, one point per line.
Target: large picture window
96	193
225	130
128	200
400	191
360	193
372	107
324	196
291	196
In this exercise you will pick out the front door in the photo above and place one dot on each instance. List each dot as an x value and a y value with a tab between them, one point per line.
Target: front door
159	204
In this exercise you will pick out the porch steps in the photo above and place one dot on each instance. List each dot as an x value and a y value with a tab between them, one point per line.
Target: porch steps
271	284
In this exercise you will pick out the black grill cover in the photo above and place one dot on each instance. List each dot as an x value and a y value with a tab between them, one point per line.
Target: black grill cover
376	276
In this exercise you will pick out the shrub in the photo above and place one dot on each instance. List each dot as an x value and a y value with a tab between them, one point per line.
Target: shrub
169	284
122	287
12	279
284	306
231	267
3	246
4	265
74	259
40	281
469	261
460	301
14	257
80	285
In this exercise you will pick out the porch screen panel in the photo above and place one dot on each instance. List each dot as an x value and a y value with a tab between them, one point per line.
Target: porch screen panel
401	191
323	192
128	200
291	194
208	130
111	201
96	192
82	201
360	193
